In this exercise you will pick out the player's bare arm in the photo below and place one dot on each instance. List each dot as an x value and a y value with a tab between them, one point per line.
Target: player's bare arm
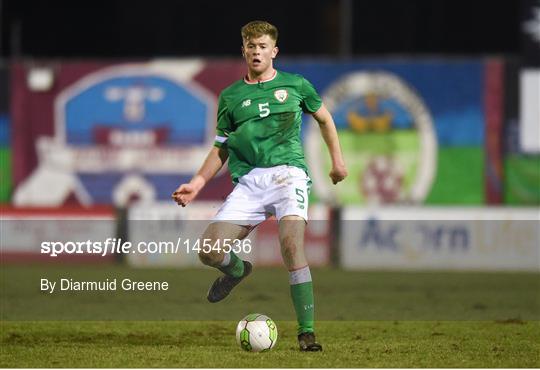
215	159
329	134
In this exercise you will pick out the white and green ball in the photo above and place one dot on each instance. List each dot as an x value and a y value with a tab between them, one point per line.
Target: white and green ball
256	333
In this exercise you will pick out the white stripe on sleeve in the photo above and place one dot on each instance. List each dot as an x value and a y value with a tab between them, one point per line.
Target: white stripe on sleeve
221	139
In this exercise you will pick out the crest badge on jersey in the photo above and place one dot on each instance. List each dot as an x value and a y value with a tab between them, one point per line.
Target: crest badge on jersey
281	95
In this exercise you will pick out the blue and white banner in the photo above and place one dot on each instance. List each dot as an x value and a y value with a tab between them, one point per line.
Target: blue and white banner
403	238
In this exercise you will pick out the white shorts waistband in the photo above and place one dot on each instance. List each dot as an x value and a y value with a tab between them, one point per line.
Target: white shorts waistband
263	171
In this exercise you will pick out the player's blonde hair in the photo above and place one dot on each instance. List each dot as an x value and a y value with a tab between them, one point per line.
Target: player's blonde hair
256	29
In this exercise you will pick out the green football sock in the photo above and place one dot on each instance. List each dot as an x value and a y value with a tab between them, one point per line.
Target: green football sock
233	267
302	297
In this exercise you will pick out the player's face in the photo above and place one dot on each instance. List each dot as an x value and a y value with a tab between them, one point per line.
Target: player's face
259	53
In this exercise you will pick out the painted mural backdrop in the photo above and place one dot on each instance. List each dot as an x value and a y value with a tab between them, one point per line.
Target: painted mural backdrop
412	132
108	134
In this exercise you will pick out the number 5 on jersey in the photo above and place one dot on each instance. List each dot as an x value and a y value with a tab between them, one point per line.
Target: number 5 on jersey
264	109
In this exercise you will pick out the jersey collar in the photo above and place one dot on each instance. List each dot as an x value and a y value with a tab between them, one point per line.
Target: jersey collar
249	82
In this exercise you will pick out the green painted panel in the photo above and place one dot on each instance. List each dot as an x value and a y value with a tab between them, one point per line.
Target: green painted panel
5	175
460	176
522	180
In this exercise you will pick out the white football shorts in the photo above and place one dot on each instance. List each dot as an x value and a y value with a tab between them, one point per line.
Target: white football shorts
279	191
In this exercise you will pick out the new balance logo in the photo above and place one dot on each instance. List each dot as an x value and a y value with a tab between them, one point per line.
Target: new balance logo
246	103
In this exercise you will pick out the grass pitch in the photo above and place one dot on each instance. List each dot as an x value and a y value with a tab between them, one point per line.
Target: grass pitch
212	344
365	319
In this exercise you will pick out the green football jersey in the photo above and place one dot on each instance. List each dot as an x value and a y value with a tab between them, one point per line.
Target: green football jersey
259	123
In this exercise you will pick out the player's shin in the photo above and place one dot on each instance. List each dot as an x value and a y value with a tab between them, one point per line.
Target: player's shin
302	297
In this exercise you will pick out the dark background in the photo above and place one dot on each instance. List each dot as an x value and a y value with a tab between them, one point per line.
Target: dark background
119	28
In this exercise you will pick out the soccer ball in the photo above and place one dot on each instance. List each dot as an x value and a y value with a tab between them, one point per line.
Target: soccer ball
256	333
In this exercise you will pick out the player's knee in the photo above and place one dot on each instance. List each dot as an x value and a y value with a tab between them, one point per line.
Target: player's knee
211	258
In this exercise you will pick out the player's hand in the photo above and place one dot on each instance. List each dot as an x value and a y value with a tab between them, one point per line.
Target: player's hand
184	194
338	173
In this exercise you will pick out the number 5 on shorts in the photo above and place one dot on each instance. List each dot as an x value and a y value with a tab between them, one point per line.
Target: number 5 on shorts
300	197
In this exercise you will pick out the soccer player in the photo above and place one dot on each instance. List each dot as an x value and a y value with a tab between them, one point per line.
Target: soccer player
258	131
